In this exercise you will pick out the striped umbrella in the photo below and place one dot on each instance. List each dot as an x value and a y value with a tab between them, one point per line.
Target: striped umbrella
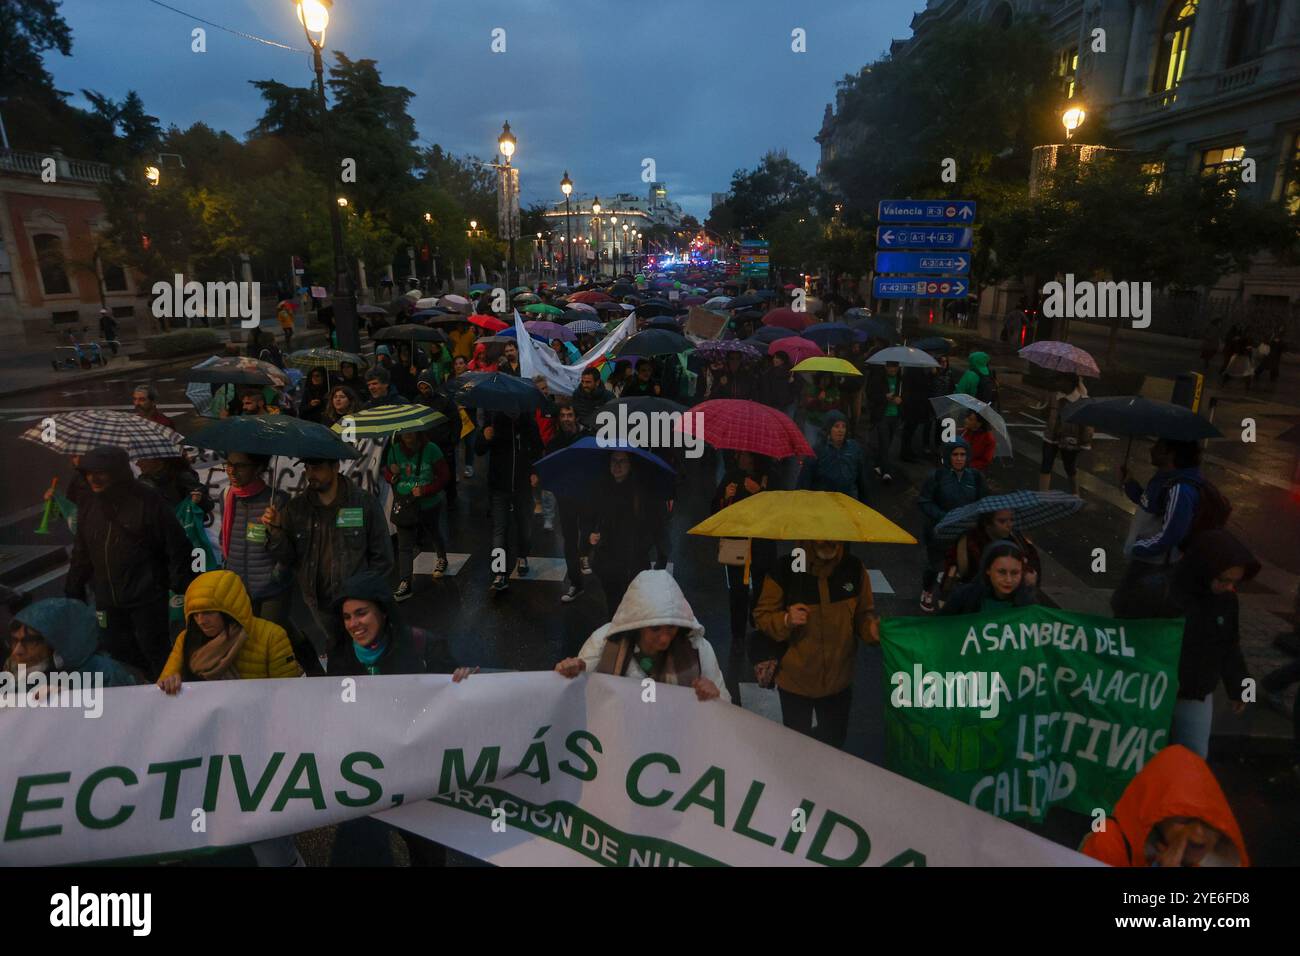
75	433
384	420
328	359
1032	509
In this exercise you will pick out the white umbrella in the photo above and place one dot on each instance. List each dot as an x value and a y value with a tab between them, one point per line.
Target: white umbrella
428	302
905	356
946	406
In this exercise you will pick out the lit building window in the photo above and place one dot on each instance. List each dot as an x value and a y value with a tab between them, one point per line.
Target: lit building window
1175	37
1218	162
1155	173
1067	68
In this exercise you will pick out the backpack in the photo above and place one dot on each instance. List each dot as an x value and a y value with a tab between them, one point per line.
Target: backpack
986	390
1212	509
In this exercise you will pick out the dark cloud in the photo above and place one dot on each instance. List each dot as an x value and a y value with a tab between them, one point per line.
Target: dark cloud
701	87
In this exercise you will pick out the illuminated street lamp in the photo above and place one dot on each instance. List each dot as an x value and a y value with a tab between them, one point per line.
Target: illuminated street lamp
152	175
613	245
343	202
1072	119
595	211
566	187
506	143
314	15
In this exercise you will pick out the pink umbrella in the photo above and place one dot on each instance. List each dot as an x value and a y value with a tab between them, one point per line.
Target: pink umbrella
797	348
1062	357
789	319
740	425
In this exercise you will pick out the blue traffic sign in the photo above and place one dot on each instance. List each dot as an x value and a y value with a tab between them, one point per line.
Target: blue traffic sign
927	210
907	287
925	263
923	237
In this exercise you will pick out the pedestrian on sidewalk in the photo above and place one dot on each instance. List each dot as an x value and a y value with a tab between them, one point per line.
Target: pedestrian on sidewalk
131	550
949	486
653	634
284	315
1172	814
809	624
1063	437
1205	587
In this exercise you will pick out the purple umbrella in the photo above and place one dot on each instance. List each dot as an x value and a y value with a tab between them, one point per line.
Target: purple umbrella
720	348
551	330
1062	357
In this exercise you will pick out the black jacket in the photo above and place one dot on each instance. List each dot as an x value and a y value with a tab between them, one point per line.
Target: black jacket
1211	640
969	598
916	394
878	391
586	406
130	548
626	516
515	447
410	650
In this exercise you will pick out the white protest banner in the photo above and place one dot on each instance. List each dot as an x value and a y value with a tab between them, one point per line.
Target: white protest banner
537	358
588	770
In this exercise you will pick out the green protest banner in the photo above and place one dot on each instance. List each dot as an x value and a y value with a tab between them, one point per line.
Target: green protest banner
1017	711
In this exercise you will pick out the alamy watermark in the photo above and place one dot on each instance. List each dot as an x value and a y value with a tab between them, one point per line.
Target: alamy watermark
208	300
634	429
1098	300
75	689
951	689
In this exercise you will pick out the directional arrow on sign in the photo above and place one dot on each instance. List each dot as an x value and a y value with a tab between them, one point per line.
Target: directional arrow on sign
966	212
888	235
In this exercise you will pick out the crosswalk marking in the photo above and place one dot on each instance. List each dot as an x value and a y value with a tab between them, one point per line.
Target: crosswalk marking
879	583
425	560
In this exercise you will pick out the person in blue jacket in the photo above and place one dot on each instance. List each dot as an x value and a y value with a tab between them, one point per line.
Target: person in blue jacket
841	462
60	636
947	487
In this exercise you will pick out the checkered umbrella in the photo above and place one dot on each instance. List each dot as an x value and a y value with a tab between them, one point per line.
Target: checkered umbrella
584	326
328	359
740	425
718	348
384	420
1032	509
75	433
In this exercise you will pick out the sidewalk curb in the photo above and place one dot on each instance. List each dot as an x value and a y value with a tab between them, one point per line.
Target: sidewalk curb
104	373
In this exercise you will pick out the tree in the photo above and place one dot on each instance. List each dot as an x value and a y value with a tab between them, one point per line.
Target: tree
28	28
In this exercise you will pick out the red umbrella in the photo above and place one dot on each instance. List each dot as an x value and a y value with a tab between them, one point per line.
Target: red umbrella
488	322
591	297
741	425
789	319
797	348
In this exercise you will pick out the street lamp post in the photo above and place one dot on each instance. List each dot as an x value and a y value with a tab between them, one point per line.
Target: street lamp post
613	246
566	187
595	211
625	247
506	143
473	232
315	17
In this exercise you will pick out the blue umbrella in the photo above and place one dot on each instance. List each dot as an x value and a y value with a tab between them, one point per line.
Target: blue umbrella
1032	509
496	392
769	334
579	471
934	345
831	333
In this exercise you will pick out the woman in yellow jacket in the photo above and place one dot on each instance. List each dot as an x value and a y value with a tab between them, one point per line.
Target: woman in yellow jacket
222	640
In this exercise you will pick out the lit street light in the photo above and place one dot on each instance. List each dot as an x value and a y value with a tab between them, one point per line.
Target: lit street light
152	175
595	211
1072	119
506	143
315	17
566	187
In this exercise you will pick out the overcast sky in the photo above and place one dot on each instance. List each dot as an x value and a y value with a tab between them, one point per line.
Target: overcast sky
702	87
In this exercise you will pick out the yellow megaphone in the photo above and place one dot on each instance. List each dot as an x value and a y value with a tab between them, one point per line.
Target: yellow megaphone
49	509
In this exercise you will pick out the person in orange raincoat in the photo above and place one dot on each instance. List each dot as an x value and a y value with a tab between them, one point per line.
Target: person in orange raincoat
1173	813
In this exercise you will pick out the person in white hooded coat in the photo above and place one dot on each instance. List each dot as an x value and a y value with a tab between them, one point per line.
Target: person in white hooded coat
654	634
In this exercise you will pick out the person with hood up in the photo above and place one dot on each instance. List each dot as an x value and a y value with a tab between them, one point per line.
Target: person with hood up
315	396
978	380
131	550
1205	586
61	636
480	362
1172	813
513	446
809	623
222	640
369	637
175	480
841	462
949	486
654	634
624	526
439	362
999	586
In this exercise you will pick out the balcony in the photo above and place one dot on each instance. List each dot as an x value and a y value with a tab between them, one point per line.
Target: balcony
25	162
1237	78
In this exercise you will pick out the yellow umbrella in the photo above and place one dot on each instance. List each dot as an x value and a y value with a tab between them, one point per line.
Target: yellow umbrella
803	516
826	363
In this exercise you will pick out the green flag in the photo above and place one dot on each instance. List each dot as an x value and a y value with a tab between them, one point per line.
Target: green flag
1017	711
68	510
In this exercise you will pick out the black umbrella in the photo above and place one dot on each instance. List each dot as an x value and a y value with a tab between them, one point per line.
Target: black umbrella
496	392
769	334
1135	416
745	302
663	322
646	404
875	328
654	342
607	306
273	435
934	345
412	333
449	320
371	310
656	307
